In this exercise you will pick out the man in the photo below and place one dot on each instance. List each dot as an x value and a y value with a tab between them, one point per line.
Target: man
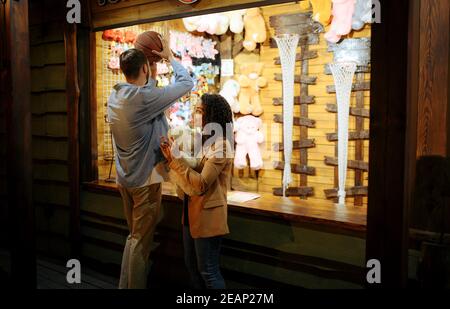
136	113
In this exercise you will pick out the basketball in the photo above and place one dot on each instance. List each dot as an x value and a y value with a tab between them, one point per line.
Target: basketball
148	41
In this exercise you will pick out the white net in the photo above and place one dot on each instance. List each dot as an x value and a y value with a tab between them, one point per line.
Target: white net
343	73
287	47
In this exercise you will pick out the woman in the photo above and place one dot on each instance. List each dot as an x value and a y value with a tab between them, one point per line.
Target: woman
205	192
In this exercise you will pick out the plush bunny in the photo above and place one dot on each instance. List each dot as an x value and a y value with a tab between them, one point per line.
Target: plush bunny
230	92
248	138
362	14
342	20
255	28
251	81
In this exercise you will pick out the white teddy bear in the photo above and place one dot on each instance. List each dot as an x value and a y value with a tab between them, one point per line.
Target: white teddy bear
230	91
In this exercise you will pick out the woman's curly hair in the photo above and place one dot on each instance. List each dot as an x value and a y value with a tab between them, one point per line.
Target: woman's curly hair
217	110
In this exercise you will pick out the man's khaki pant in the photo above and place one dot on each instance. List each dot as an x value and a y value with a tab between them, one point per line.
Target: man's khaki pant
142	207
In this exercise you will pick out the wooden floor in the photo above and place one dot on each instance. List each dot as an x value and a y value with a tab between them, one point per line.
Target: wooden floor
52	275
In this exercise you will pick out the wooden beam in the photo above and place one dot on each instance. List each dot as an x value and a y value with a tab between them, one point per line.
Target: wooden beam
296	168
73	96
359	69
307	143
353	191
298	121
299	79
362	86
152	11
359	144
386	204
353	164
298	191
354	111
332	137
298	100
433	95
289	19
15	96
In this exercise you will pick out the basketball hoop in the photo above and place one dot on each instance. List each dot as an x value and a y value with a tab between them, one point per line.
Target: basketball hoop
287	47
343	73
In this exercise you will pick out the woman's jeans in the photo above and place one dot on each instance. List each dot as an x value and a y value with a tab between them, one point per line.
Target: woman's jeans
202	258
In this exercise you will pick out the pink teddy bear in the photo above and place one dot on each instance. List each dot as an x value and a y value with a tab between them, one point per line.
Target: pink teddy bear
248	137
342	20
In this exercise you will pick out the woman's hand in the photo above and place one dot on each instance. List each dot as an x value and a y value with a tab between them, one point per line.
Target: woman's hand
166	52
166	148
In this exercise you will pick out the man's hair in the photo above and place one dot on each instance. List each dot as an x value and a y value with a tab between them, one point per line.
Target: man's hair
131	62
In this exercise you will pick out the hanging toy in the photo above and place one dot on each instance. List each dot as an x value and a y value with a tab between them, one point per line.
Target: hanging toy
362	14
108	35
255	28
321	11
342	20
130	37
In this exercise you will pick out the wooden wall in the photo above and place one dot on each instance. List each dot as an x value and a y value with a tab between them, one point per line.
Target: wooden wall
268	178
325	121
49	130
128	12
259	253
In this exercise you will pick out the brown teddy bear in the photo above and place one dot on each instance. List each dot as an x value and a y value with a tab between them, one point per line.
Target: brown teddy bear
251	81
255	28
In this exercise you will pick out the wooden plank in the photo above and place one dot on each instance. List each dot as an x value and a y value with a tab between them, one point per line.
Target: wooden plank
73	96
332	137
298	121
433	97
289	19
15	88
166	10
354	111
304	114
353	191
299	57
298	191
353	164
308	39
300	29
362	86
296	168
359	69
298	100
308	143
359	144
386	204
299	79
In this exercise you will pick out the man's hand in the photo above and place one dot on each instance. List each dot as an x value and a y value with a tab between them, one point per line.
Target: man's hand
166	53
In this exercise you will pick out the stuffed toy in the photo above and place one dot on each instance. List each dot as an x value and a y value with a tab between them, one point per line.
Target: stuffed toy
236	20
190	23
248	137
230	92
342	20
321	11
108	35
130	37
255	28
223	22
119	36
362	14
251	81
217	23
